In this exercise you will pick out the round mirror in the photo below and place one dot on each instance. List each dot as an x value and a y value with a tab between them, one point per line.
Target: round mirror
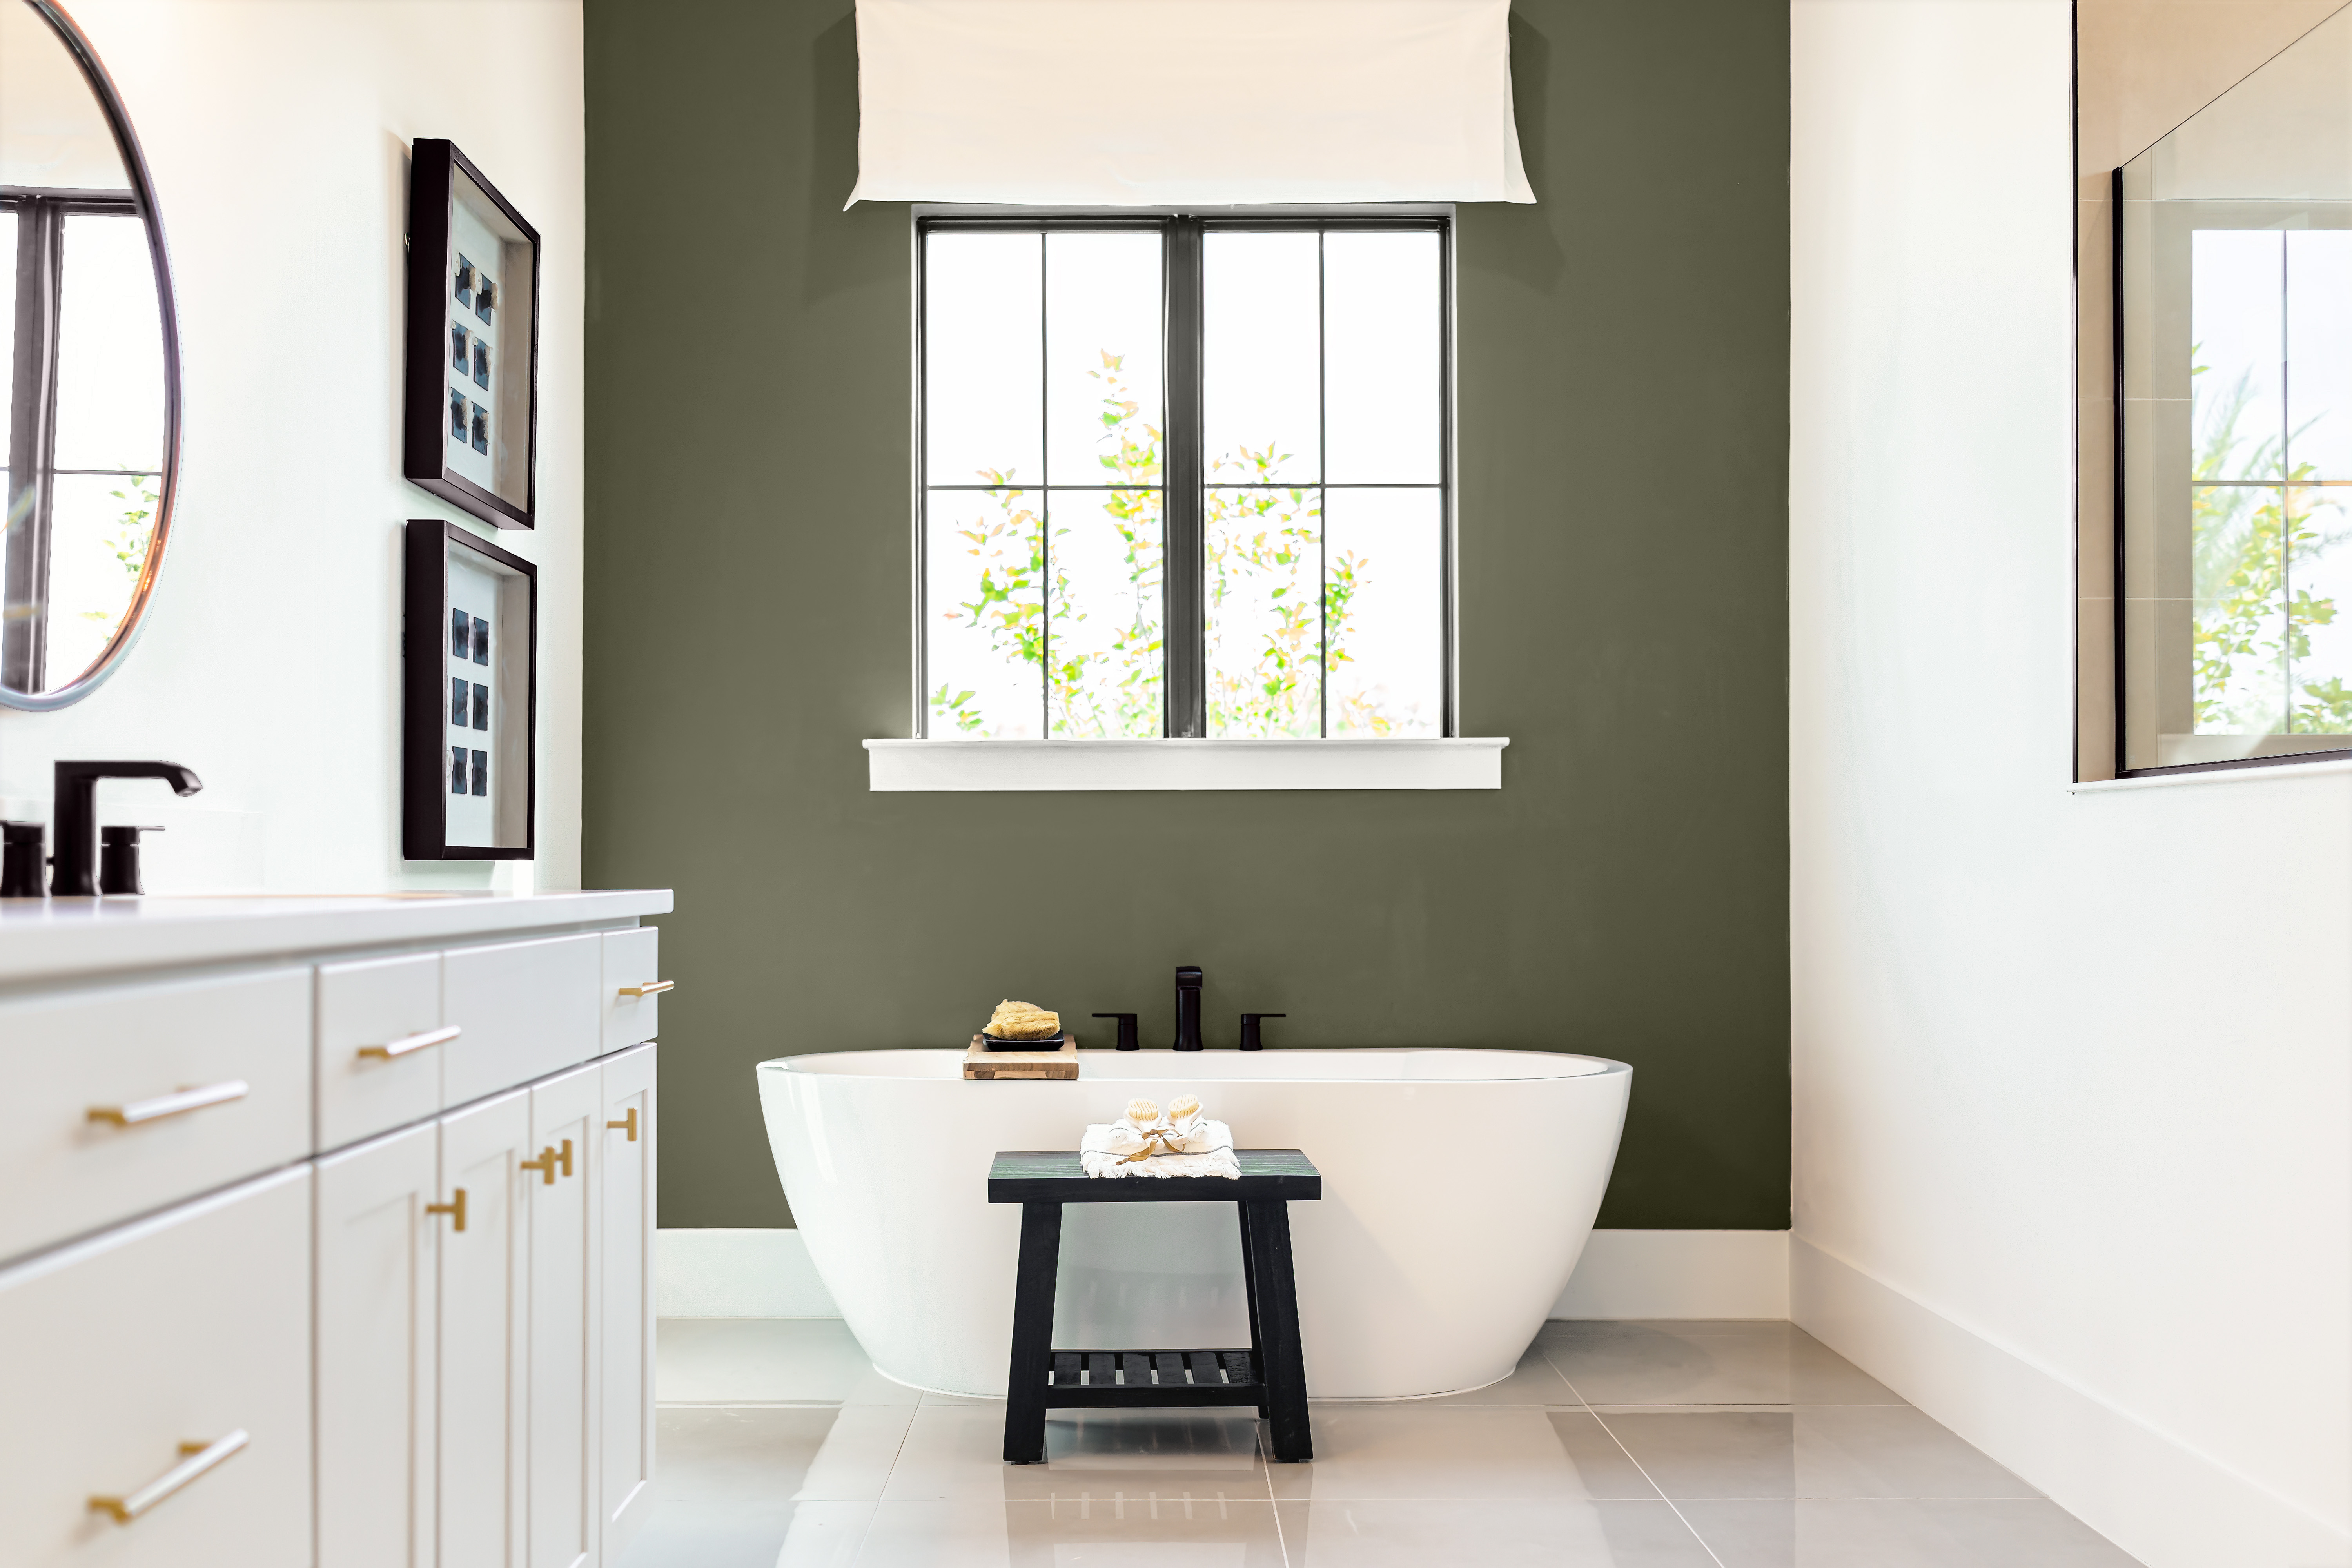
89	368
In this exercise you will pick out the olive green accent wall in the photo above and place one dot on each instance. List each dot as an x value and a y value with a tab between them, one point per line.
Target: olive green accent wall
1624	375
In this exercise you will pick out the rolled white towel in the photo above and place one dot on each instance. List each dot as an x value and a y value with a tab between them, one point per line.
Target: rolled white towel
1108	1151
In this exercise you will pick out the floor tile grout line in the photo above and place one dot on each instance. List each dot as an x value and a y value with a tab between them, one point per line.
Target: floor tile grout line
1272	1503
1704	1545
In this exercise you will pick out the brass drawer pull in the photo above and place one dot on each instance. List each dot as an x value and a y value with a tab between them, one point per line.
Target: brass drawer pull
393	1050
650	988
163	1105
196	1458
549	1159
631	1124
455	1209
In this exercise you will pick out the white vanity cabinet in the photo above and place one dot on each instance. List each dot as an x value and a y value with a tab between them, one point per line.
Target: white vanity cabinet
390	1306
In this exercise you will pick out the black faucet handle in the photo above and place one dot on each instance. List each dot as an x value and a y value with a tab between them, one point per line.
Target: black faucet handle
1250	1039
20	861
1128	1040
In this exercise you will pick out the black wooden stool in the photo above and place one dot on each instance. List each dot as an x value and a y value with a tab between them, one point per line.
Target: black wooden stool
1270	1375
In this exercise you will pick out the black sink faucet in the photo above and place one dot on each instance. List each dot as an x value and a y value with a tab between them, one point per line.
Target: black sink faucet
1188	1007
74	863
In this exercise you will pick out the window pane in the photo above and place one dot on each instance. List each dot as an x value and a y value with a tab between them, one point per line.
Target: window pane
1265	631
2239	628
1102	358
2237	325
1261	329
2320	578
1105	649
1381	320
98	542
110	348
982	353
2319	351
983	573
1383	596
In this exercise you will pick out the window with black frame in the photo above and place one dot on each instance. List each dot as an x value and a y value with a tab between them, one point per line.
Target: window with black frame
1184	476
84	414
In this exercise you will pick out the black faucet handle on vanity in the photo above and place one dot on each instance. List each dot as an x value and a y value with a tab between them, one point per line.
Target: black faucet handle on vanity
74	860
1127	1035
20	858
1188	1007
1250	1038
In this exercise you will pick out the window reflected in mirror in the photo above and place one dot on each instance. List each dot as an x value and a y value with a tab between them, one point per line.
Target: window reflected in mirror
2234	274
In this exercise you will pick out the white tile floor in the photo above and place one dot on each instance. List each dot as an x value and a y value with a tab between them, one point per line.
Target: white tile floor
1640	1444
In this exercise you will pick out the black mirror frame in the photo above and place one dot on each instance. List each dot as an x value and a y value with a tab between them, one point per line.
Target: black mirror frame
425	457
143	190
424	684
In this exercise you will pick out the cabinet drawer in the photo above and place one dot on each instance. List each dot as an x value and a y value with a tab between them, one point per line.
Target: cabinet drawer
379	1065
128	1049
527	1009
632	959
186	1327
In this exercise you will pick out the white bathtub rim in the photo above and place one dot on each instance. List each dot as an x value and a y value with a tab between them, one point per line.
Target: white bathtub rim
1608	1066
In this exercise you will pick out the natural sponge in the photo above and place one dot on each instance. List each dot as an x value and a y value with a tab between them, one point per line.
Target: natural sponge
1023	1021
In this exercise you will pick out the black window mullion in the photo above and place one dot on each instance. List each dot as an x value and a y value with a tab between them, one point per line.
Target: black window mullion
1183	573
32	439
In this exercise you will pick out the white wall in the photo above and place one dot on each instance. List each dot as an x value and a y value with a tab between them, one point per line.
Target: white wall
2073	1163
277	132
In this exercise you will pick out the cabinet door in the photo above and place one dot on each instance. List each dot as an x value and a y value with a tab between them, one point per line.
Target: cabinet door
377	1298
567	1135
485	1303
627	1417
165	1366
527	1008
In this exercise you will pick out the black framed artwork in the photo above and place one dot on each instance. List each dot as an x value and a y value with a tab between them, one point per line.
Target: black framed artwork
470	412
469	698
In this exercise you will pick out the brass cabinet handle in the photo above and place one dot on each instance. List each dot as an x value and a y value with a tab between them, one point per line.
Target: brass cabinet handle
392	1050
196	1458
549	1159
631	1124
650	988
455	1209
163	1105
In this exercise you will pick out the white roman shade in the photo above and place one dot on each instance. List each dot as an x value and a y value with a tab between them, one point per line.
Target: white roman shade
1207	103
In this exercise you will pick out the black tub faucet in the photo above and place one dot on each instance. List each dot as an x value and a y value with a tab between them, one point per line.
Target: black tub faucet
74	860
1188	1007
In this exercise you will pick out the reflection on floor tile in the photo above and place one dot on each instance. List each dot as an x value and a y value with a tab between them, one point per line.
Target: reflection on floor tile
1807	1451
781	1447
723	1485
956	1452
1535	1381
1437	1450
2021	1533
1414	1532
1129	1531
1722	1363
701	1361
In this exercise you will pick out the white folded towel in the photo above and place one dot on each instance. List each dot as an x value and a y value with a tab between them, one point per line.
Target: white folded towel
1107	1150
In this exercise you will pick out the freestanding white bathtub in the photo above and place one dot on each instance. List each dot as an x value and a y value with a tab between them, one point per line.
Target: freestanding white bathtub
1458	1189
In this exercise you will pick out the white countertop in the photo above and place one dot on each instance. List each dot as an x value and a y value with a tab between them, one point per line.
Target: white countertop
42	938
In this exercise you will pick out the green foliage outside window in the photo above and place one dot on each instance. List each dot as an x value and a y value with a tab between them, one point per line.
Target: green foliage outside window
1264	542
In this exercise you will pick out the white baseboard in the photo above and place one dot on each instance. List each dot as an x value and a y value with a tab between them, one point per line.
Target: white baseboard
736	1274
2149	1492
1623	1274
1679	1274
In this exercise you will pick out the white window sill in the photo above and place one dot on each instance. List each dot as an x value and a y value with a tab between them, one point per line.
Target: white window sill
1450	763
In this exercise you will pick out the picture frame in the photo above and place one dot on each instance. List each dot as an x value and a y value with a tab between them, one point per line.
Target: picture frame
470	405
469	696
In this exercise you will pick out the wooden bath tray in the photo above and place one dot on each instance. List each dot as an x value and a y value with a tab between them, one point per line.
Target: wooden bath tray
981	1062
